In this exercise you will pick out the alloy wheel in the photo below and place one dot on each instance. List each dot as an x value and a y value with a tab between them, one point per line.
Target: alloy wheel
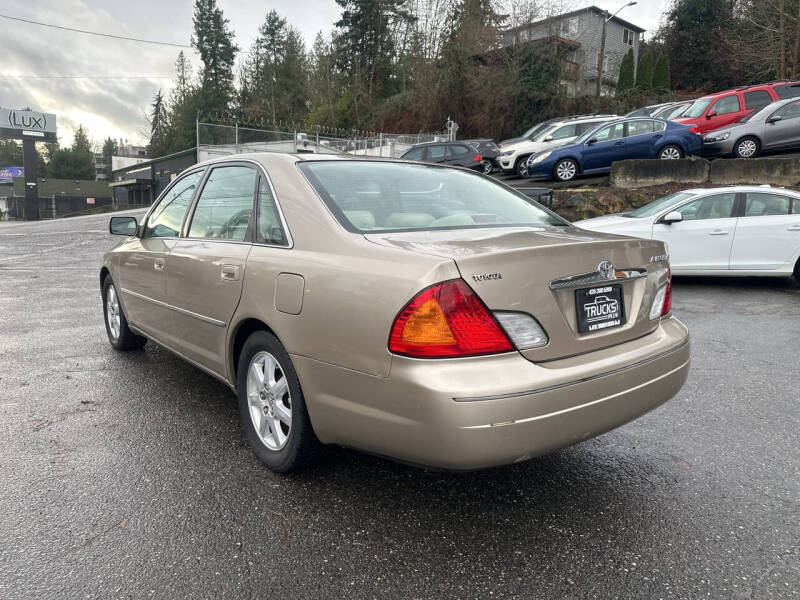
269	400
488	167
113	313
746	148
566	170
670	153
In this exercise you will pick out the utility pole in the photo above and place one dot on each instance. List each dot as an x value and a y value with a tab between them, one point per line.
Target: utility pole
601	58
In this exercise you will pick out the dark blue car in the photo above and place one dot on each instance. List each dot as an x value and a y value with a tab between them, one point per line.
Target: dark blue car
596	149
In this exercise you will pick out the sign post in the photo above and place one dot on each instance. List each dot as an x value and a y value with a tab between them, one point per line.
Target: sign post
31	127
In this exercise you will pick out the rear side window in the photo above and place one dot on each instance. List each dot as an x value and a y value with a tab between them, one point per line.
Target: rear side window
436	152
757	100
719	206
459	151
640	127
760	204
790	111
224	207
727	105
415	154
167	218
268	229
790	90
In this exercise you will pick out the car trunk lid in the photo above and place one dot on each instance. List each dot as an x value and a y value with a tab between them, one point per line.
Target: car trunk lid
539	270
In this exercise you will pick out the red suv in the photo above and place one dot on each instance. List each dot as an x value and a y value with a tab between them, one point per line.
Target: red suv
723	108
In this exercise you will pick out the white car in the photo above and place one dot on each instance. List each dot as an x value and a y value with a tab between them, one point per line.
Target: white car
513	157
741	230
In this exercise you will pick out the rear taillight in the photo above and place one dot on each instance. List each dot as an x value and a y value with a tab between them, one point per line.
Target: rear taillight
668	296
477	158
694	130
446	320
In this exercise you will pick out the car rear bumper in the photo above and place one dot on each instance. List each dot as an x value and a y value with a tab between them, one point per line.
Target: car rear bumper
480	412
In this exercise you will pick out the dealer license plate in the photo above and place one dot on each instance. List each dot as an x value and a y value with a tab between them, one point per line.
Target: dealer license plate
599	308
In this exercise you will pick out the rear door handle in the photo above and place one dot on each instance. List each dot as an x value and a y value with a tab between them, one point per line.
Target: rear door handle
656	136
619	143
718	232
229	272
159	264
794	228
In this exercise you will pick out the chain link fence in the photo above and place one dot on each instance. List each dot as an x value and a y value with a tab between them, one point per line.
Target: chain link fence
215	140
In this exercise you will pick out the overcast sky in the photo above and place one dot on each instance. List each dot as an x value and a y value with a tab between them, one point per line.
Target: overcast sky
110	106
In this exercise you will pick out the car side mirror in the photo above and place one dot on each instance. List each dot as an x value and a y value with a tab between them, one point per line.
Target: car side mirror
672	217
774	119
549	138
711	113
591	141
122	226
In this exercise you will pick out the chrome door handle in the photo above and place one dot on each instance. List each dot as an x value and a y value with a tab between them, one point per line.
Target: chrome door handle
159	264
619	143
794	228
229	272
718	232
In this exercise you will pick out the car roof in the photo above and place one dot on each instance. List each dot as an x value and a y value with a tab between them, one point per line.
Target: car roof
740	188
422	144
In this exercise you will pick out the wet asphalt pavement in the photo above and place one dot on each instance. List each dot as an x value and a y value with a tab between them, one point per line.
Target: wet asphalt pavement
127	476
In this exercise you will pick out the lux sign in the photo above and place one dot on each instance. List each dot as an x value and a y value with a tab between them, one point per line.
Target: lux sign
26	122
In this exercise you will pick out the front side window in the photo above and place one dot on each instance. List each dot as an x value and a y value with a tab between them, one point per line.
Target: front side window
612	132
790	111
757	100
419	197
727	105
415	154
166	219
656	206
762	204
224	207
719	206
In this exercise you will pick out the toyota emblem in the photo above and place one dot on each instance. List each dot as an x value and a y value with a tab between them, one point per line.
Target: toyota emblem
606	270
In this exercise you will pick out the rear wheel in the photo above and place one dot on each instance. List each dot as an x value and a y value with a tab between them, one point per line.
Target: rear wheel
119	334
565	170
521	166
670	153
272	406
746	148
488	166
797	272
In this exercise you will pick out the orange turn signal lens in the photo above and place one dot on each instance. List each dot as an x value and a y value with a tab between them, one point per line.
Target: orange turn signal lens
428	325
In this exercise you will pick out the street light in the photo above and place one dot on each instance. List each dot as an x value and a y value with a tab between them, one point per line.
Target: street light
602	55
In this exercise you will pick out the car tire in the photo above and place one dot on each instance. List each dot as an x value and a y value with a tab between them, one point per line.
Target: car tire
670	152
521	166
488	167
266	404
797	272
565	170
119	334
747	147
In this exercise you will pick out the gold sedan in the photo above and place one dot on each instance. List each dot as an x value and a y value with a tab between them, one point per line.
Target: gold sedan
420	312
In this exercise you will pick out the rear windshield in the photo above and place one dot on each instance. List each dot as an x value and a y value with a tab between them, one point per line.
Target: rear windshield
370	196
698	108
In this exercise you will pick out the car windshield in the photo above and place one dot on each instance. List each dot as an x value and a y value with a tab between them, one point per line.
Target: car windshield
540	135
758	114
671	112
589	133
656	206
372	196
698	108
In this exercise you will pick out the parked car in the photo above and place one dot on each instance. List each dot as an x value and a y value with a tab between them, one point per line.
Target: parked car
513	157
459	154
409	310
723	108
649	111
619	140
673	110
740	230
774	127
489	151
530	133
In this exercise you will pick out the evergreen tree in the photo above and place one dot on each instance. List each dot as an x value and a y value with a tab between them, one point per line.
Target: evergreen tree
80	142
109	150
661	74
213	41
159	127
644	72
183	76
10	153
625	83
75	162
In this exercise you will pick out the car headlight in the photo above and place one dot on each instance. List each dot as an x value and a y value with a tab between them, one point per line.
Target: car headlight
720	137
506	153
538	158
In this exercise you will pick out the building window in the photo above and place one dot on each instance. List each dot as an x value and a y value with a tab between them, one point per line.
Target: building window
569	27
628	36
523	35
